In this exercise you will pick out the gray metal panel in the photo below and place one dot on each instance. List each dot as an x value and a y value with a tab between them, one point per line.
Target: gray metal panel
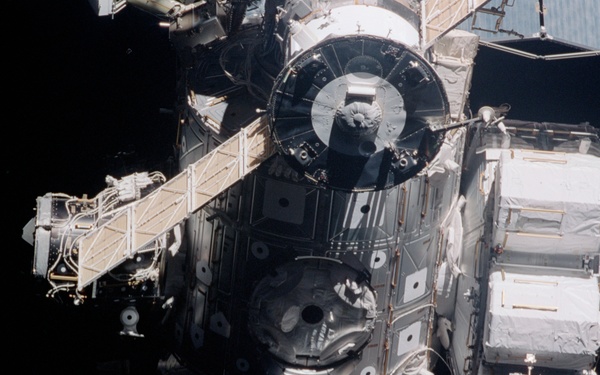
419	210
364	216
410	335
284	209
381	262
371	358
575	21
416	273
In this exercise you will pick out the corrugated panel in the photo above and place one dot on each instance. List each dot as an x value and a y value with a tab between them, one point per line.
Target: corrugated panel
439	16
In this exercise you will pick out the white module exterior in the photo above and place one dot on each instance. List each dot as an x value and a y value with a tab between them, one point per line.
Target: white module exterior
554	317
544	206
353	20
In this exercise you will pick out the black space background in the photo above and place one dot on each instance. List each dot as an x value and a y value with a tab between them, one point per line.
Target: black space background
82	100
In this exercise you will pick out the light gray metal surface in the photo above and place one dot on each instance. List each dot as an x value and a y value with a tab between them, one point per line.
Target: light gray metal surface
574	21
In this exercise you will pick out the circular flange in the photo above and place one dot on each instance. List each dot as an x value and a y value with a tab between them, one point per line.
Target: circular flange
313	312
354	113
